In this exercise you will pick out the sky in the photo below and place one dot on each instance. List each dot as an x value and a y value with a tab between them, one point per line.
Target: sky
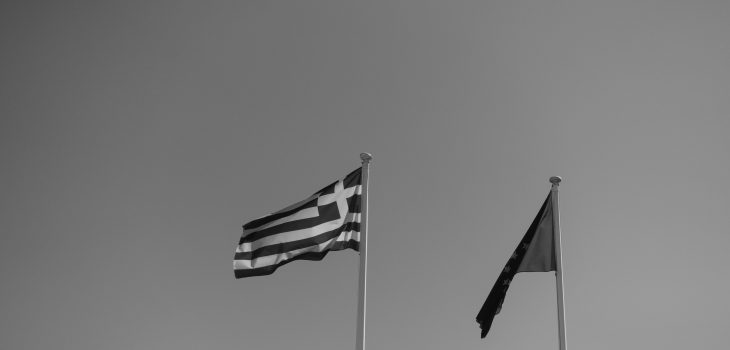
136	137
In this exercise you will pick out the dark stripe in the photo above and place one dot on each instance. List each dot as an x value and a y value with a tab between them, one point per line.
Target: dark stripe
326	213
353	203
329	189
267	219
354	178
315	256
282	248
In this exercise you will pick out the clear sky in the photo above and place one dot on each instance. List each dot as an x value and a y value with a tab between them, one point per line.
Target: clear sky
136	137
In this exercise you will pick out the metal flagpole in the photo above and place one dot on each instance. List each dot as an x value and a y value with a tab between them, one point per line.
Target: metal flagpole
555	180
366	158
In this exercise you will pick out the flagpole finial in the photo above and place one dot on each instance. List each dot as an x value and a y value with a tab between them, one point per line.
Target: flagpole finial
555	180
366	157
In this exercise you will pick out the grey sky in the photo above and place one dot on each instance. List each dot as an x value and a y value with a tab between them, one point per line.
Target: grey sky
138	136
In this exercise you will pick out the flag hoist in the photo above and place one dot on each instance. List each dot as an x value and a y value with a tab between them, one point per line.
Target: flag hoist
538	251
333	218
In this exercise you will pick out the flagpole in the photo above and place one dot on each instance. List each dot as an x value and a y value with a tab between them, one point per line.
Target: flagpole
555	180
366	158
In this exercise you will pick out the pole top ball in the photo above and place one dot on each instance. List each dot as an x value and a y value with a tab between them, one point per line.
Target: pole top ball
366	157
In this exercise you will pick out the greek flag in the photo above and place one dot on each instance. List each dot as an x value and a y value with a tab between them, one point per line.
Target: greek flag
308	230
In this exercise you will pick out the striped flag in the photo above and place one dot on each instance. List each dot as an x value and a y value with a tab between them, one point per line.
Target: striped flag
535	253
308	230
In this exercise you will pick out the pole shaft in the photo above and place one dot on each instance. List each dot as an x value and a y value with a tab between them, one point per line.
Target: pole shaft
365	157
558	262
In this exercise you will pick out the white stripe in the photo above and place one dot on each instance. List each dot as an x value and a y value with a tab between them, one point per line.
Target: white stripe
276	259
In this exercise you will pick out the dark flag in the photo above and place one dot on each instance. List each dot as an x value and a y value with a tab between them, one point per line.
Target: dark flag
535	253
328	220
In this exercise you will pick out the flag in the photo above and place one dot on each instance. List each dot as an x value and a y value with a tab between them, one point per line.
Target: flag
328	220
535	253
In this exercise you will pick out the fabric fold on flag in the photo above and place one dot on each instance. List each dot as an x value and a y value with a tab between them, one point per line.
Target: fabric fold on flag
534	253
327	220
